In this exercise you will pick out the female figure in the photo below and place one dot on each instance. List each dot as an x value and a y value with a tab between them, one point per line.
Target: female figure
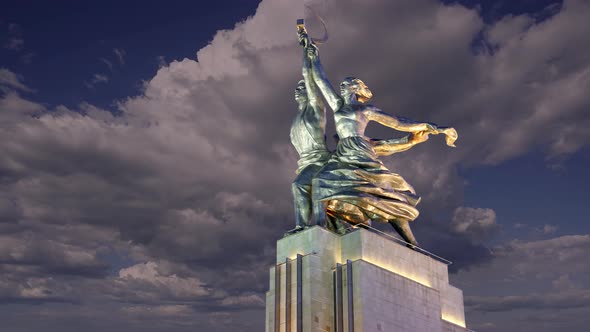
355	185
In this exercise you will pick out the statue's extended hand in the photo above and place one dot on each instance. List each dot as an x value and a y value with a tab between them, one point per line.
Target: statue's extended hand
312	51
303	38
432	128
419	137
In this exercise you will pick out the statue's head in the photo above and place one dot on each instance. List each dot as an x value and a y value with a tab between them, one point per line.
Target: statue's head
353	85
301	92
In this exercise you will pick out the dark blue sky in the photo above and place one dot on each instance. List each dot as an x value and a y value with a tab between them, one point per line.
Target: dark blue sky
534	190
67	39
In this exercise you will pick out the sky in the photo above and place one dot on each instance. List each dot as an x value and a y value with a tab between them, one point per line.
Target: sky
146	166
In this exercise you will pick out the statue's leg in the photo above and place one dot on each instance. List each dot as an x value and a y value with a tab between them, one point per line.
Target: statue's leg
339	226
302	203
301	189
319	213
335	225
319	207
402	226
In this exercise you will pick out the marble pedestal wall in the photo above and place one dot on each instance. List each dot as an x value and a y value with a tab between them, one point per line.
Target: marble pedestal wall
359	282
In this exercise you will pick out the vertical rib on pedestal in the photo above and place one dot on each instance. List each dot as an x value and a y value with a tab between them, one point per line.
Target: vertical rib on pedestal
277	298
287	295
349	295
299	293
338	310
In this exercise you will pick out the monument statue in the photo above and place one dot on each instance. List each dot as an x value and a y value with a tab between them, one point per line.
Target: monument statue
353	185
330	278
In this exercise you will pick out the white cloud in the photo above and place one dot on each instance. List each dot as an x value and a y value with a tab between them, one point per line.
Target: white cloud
160	310
51	255
243	300
15	109
12	80
478	223
549	229
178	287
528	280
108	63
161	61
120	53
522	264
96	79
552	301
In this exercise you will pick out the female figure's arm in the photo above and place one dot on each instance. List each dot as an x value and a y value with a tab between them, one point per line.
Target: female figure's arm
321	80
312	95
398	123
403	124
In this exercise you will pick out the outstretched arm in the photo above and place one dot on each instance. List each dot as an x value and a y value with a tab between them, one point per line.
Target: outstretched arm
421	129
314	100
398	123
310	87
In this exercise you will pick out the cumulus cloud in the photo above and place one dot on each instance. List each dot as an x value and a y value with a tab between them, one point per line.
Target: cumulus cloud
522	283
160	310
50	256
549	229
13	109
548	80
175	286
529	259
12	80
33	290
251	300
477	223
161	61
96	79
552	301
108	63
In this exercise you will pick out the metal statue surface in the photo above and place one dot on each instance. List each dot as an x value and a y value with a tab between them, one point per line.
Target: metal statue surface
308	138
354	185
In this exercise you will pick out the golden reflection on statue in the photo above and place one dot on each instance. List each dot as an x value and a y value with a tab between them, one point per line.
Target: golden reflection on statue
354	185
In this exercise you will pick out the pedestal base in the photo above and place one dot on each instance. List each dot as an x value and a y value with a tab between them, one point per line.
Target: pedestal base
361	282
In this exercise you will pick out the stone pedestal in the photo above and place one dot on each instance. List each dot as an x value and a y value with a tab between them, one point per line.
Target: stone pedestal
362	282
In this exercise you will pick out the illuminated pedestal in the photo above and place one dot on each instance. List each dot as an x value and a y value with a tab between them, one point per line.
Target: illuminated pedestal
360	282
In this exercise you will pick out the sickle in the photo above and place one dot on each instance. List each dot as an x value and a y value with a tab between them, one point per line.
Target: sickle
325	37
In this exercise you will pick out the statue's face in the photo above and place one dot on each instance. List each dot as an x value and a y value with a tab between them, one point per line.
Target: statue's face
301	93
347	88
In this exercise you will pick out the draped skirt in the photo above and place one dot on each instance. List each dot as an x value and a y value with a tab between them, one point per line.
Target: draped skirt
357	187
